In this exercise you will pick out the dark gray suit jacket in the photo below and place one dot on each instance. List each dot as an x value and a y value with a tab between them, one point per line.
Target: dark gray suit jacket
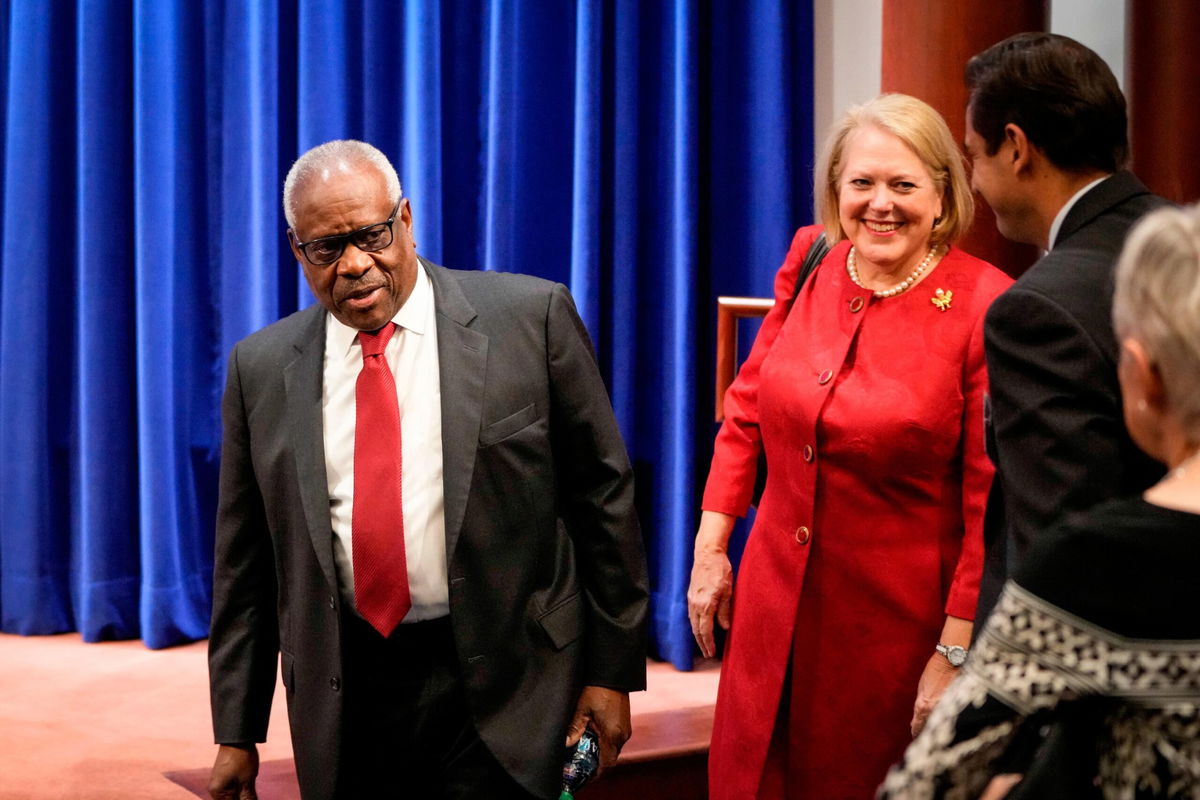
1056	428
548	587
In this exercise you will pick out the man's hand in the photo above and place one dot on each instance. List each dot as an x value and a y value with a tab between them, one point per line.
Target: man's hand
233	773
936	677
605	711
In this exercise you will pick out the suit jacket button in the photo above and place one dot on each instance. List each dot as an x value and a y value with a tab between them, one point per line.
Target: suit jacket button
809	453
825	377
803	535
335	684
856	305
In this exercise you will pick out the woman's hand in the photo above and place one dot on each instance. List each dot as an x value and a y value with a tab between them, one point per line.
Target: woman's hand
1000	786
710	593
938	673
934	679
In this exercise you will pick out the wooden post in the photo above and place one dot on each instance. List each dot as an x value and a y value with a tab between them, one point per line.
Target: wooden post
1162	73
926	46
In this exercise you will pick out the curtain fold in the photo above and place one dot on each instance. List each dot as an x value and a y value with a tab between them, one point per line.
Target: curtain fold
173	321
104	520
420	121
36	327
649	155
677	501
587	173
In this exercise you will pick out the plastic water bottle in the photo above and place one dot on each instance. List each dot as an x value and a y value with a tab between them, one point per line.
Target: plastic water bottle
580	764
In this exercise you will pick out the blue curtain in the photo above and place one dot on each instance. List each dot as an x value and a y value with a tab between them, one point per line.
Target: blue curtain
651	155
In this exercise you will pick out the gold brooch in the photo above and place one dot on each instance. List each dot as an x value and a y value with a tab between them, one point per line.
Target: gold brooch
942	299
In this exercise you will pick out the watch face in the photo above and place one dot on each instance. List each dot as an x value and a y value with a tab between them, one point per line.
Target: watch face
957	656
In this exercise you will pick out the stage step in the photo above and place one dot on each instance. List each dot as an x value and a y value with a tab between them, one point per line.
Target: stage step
666	758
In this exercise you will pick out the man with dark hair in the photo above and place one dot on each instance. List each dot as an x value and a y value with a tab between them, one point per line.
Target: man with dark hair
426	519
1046	136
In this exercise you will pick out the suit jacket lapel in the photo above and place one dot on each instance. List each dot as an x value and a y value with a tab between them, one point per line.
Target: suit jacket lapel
462	361
302	382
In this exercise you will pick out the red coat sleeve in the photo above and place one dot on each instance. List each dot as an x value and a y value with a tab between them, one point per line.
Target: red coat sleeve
977	472
735	452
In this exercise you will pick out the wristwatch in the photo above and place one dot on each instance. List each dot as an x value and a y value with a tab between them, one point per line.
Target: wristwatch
957	656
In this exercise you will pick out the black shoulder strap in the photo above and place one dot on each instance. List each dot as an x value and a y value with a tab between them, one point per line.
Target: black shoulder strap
816	252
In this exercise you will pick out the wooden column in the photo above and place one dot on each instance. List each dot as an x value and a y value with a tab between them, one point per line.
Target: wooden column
926	45
1162	75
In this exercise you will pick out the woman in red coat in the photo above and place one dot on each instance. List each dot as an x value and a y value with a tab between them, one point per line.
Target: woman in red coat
856	591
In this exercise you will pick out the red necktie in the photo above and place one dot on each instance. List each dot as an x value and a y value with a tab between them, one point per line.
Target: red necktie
377	520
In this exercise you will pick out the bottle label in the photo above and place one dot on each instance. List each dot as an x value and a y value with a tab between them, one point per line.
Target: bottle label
580	764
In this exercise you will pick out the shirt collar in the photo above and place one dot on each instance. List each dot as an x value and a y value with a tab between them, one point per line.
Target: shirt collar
412	316
1066	209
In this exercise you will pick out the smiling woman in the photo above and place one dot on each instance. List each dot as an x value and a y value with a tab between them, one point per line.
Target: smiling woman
888	203
859	580
892	181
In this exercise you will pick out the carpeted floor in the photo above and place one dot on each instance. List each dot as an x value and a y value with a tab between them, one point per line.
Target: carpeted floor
117	721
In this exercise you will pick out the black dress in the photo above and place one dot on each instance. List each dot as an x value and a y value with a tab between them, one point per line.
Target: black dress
1086	677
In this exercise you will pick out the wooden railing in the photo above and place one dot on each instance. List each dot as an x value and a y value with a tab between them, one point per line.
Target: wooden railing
729	311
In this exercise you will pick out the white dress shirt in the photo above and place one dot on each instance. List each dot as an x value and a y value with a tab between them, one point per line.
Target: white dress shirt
412	356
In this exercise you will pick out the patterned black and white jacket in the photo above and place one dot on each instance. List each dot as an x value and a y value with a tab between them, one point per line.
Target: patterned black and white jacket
1086	677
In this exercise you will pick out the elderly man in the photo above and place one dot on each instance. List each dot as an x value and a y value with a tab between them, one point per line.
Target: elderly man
1046	135
426	509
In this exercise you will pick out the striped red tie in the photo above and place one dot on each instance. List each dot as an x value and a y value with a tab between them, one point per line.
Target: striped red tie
377	520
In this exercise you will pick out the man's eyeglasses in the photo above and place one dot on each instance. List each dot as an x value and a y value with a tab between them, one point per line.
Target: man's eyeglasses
369	238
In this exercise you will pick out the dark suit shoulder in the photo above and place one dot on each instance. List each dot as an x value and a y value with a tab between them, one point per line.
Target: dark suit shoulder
498	302
1075	279
1100	219
278	342
1104	236
1092	236
500	287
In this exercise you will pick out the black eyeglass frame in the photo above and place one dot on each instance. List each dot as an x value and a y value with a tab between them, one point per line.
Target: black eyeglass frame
343	238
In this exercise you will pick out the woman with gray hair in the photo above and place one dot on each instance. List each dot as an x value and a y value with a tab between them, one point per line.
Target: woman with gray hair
1098	637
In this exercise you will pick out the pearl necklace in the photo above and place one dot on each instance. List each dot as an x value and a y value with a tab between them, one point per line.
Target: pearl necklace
902	286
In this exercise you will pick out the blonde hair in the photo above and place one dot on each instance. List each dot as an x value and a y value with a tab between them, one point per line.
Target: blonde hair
341	155
1157	302
923	130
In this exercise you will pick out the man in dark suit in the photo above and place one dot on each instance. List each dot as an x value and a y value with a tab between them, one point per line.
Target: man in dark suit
1046	135
425	519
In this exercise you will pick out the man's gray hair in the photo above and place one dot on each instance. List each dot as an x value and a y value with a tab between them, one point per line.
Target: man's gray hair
340	155
1157	302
